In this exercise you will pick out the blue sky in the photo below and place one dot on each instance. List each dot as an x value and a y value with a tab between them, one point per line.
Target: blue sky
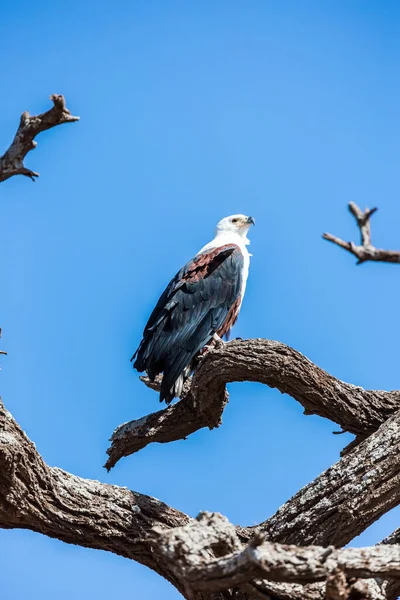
191	111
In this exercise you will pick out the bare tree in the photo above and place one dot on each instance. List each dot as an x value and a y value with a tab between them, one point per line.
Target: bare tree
365	251
12	162
296	553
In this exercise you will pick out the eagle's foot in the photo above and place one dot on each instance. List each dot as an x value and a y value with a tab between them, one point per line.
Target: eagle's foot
215	342
218	342
204	351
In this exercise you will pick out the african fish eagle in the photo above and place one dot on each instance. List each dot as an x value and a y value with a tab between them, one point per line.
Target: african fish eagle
201	302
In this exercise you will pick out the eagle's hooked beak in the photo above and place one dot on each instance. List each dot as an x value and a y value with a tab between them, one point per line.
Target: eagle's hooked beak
251	220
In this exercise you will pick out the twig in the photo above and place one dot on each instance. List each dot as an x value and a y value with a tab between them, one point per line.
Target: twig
366	251
11	163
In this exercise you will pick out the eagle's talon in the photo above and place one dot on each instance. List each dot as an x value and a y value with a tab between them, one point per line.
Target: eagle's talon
218	341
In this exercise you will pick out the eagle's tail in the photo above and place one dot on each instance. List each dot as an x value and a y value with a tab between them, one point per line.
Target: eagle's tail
172	384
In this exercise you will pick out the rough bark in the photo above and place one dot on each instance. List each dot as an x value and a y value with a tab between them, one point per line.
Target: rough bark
391	587
366	250
12	162
189	550
356	410
340	504
79	511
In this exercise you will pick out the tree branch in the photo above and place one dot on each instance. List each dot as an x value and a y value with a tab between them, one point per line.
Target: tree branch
174	423
11	163
188	550
366	251
339	504
79	511
91	514
356	410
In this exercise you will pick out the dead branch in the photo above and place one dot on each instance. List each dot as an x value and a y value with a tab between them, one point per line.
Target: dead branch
188	550
12	162
366	251
341	503
176	422
58	504
79	511
356	410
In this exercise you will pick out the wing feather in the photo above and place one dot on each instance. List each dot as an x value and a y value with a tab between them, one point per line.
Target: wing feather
194	306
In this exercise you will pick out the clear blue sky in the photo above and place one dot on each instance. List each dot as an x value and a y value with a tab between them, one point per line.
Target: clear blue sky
190	111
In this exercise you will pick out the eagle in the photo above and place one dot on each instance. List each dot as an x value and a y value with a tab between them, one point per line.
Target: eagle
199	306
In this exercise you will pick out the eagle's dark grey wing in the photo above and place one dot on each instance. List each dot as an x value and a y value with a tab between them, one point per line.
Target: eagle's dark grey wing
203	298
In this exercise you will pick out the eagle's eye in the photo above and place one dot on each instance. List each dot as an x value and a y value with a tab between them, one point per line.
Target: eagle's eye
235	220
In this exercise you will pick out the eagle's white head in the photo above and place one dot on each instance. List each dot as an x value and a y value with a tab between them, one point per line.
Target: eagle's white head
231	230
236	225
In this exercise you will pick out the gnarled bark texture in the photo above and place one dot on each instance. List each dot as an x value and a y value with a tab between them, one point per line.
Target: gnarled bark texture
356	410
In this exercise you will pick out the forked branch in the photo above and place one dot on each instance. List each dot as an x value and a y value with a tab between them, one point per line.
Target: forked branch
206	556
366	251
12	162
